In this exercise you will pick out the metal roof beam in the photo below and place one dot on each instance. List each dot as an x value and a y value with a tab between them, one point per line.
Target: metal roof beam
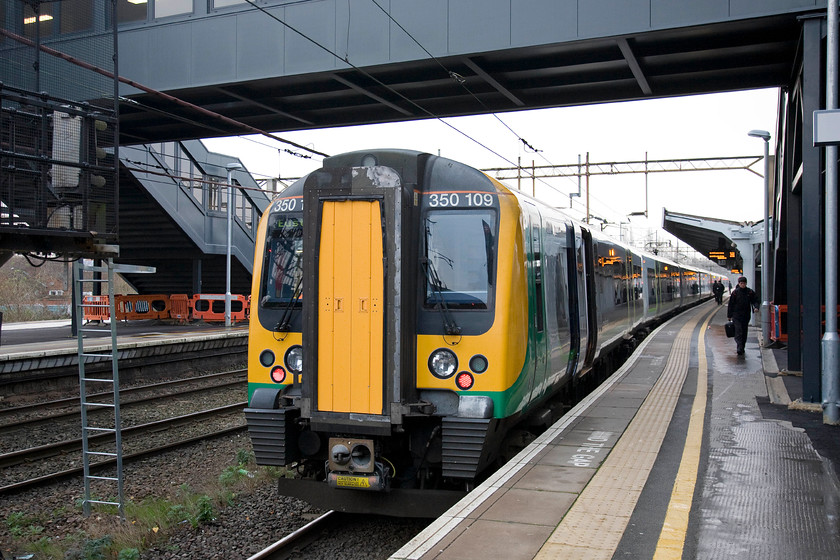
372	95
492	81
633	62
269	108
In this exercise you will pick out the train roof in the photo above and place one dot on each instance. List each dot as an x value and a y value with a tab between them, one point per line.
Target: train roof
407	161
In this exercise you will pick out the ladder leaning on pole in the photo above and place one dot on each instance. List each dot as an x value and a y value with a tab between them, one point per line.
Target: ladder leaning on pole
112	450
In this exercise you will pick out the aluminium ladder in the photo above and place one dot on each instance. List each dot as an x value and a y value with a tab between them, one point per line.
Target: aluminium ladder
113	449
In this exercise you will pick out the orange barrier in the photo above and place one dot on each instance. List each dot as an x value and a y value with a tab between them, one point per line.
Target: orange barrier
95	308
135	307
211	307
181	307
778	323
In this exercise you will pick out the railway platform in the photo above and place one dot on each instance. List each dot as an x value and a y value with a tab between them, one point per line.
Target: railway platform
687	451
45	352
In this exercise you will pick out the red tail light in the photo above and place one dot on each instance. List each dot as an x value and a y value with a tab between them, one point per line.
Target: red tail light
464	380
278	374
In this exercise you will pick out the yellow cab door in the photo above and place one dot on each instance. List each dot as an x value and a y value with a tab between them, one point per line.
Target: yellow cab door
350	323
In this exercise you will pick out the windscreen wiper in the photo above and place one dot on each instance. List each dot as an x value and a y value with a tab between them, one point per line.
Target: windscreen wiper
449	324
284	325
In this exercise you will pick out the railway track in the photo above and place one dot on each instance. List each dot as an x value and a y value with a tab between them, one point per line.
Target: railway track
210	411
102	465
33	414
68	446
300	539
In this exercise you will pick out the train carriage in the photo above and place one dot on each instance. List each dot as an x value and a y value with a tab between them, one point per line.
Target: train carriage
411	311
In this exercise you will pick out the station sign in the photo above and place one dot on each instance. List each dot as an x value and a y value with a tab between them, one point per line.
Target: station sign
827	127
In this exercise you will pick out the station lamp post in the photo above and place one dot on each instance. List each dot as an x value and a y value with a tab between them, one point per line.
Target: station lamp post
230	168
765	253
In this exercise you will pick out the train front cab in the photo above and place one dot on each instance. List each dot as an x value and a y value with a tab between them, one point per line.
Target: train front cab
408	345
354	353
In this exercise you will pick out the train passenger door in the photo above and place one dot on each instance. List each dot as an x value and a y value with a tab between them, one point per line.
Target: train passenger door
537	336
590	301
576	330
350	315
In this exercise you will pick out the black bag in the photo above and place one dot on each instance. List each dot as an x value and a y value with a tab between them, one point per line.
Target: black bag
729	327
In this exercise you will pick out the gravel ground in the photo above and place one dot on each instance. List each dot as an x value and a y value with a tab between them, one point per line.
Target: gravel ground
257	517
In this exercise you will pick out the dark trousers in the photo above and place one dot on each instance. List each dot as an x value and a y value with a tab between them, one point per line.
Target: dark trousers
741	326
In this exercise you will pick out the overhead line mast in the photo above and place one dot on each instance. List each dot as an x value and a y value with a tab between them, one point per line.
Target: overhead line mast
625	167
645	166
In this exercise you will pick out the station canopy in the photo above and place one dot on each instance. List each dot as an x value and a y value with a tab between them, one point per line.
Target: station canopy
708	236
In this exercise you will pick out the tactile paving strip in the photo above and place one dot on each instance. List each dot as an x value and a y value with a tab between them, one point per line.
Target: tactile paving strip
594	526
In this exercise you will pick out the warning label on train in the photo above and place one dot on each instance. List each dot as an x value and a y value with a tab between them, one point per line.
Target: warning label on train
352	481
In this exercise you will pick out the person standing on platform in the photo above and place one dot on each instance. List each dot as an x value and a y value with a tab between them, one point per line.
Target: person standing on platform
742	301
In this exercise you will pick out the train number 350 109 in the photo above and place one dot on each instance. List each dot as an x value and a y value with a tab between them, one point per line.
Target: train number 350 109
444	200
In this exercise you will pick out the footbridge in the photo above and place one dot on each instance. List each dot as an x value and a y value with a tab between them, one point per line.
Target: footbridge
287	65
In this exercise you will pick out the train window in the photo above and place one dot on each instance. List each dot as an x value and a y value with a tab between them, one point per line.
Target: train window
283	266
459	258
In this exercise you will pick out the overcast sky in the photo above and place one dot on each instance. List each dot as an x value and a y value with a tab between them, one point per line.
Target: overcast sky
706	126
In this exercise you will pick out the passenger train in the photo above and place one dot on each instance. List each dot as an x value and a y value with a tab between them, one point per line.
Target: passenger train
410	312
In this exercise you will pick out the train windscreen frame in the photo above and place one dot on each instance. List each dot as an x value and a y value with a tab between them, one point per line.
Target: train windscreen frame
460	247
282	284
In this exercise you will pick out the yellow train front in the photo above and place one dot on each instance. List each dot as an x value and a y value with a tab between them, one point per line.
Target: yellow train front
389	331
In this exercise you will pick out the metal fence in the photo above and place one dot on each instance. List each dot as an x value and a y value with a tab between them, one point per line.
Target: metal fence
58	127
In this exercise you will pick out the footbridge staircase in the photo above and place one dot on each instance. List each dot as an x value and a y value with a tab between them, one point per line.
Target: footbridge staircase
173	203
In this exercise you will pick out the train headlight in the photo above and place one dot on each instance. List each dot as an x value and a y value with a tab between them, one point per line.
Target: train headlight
294	359
443	363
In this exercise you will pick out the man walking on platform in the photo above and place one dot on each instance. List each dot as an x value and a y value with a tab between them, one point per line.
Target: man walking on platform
742	301
717	290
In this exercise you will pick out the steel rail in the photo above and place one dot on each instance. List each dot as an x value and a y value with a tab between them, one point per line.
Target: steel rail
283	548
43	451
101	465
8	411
75	411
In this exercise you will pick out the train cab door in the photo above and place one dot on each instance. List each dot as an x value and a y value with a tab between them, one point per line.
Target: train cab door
350	329
537	337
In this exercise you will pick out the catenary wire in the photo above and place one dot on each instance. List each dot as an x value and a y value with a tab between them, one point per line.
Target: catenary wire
408	100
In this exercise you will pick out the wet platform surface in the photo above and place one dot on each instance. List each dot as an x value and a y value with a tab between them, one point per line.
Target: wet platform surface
683	453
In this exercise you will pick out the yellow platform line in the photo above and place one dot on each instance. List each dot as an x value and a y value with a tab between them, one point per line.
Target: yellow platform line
594	525
672	538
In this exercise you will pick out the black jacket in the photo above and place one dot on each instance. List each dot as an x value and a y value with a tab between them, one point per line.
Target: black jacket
741	303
